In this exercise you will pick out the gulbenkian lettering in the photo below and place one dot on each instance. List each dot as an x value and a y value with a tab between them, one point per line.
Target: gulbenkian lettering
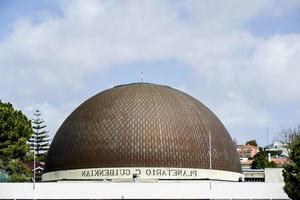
105	172
150	172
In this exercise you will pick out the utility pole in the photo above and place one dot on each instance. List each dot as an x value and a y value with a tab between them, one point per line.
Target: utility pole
34	146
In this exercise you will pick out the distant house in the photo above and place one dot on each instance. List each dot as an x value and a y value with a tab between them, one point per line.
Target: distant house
39	169
278	152
246	153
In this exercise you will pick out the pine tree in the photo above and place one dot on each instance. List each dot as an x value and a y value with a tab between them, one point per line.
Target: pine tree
39	141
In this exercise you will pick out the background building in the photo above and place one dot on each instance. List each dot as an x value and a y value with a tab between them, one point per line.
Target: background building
246	153
278	152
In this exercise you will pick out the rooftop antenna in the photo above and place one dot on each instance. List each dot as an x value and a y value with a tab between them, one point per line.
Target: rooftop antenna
142	77
267	136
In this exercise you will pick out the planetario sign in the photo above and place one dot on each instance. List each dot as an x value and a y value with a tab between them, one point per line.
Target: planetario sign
142	131
141	173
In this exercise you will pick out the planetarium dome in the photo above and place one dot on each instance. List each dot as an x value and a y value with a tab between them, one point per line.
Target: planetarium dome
144	131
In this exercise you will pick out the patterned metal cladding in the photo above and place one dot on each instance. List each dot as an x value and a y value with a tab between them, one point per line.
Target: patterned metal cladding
141	125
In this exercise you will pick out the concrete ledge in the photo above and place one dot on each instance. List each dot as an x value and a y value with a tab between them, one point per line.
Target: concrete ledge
161	190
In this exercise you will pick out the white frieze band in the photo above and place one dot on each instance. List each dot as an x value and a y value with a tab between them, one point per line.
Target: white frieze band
141	173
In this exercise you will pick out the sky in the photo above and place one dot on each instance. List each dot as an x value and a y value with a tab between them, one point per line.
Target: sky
239	58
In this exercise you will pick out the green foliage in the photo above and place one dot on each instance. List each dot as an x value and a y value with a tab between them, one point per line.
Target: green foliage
29	156
271	164
39	141
252	142
260	161
18	171
291	172
15	130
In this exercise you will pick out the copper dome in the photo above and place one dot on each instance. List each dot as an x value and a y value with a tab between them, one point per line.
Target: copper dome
141	125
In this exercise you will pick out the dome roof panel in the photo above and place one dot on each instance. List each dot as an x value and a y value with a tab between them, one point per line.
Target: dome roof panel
141	125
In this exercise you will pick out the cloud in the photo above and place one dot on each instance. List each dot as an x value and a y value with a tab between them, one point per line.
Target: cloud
264	73
93	35
59	52
52	115
276	66
238	113
51	61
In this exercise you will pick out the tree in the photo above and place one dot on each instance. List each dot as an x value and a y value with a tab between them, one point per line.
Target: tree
39	141
15	130
291	172
18	171
260	161
252	142
288	136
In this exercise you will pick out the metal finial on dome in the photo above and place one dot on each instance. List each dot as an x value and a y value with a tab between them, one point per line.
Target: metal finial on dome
142	77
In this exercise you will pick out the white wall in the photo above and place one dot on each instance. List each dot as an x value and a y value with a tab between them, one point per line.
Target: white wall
274	175
161	190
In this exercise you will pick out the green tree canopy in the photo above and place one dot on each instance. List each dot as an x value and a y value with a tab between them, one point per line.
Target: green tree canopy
260	161
15	130
252	142
291	172
17	171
